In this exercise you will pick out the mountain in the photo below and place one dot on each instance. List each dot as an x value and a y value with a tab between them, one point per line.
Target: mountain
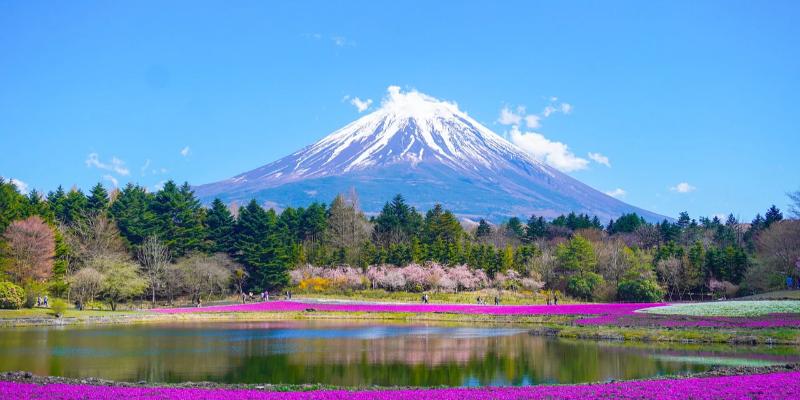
430	152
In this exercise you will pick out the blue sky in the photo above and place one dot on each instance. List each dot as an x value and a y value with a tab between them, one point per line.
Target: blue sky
694	103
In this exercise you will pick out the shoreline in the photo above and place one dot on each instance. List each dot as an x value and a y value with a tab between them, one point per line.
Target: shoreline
754	382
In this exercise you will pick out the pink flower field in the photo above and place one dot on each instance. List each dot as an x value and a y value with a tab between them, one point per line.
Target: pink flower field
773	386
285	306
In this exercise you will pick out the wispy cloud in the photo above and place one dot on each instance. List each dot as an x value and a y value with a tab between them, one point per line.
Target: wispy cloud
112	179
116	165
21	186
361	105
555	154
618	192
600	159
683	187
144	167
185	151
337	40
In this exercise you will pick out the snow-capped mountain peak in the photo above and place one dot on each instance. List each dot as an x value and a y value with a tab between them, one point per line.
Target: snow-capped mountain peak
432	152
409	127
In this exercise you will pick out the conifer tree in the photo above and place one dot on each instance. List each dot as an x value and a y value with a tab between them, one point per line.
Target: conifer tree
219	222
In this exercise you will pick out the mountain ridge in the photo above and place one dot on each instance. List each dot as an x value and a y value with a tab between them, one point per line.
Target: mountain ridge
429	151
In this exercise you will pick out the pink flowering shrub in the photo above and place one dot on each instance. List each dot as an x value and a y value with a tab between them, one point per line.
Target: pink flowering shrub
772	386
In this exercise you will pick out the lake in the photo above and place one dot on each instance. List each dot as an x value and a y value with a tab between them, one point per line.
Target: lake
353	353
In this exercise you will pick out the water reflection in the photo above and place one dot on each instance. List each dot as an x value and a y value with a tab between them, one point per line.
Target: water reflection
352	353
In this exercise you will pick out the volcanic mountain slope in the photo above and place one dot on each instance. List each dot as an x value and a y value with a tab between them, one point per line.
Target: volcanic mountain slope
430	152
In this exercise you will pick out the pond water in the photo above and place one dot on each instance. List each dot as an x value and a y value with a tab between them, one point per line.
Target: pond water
352	354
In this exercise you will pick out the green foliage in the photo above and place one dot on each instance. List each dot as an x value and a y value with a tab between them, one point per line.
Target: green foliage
397	222
261	244
583	286
132	213
98	199
219	223
577	255
626	223
179	219
121	281
12	296
640	290
58	307
13	205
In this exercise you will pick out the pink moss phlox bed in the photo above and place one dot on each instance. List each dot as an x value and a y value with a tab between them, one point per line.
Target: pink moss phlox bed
564	309
773	386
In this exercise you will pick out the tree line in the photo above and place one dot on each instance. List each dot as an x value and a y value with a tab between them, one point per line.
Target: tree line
132	243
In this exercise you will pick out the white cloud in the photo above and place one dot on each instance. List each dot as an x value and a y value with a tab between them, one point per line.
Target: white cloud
158	186
533	121
144	167
185	151
341	41
618	192
509	117
116	165
683	187
21	186
600	159
549	110
566	108
555	154
111	179
361	105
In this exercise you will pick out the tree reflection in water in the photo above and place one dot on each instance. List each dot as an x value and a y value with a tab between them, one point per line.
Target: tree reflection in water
348	354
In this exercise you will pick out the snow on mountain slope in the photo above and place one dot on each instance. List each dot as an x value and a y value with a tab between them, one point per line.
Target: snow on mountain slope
431	152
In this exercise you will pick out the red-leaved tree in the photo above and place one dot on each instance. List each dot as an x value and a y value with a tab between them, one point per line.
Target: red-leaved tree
29	250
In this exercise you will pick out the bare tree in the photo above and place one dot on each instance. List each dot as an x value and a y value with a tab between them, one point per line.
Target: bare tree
347	227
203	275
93	237
85	285
794	206
670	270
30	249
154	257
778	247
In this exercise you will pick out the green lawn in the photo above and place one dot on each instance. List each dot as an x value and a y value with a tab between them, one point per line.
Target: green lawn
744	308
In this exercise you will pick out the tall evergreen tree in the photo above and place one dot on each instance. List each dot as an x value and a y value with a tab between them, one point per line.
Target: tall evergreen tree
535	229
131	211
220	223
261	244
773	215
13	205
98	199
484	230
179	219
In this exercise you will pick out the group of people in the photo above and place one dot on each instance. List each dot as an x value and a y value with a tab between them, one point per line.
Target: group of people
42	301
264	296
482	301
554	301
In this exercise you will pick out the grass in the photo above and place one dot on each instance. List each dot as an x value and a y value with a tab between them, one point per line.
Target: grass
507	297
682	335
746	308
778	295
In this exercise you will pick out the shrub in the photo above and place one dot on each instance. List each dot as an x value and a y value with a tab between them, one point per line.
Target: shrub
315	284
583	286
643	290
12	296
59	307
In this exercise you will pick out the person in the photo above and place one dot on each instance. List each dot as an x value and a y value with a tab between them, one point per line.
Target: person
46	301
426	299
244	298
479	299
199	303
548	300
555	299
250	296
266	295
496	300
